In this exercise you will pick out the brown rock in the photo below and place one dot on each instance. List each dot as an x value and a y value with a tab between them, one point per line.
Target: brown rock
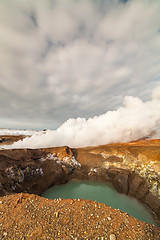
151	200
112	237
135	181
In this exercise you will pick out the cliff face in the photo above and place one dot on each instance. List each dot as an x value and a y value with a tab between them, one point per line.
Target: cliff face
9	139
25	216
132	168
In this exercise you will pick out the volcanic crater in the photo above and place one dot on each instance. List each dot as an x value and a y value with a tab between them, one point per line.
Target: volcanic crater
131	168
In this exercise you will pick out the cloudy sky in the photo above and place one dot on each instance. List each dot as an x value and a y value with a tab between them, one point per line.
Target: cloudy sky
62	59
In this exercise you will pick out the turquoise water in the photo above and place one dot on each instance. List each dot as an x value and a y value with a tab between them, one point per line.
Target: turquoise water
101	193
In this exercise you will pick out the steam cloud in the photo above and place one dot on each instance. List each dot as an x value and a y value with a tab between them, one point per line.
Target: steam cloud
134	120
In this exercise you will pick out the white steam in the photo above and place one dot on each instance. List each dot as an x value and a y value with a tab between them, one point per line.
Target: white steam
10	132
135	120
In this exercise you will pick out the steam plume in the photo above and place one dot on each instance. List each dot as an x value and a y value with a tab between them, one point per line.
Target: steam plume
134	120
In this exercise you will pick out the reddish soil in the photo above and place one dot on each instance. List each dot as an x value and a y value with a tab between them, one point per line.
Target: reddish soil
25	216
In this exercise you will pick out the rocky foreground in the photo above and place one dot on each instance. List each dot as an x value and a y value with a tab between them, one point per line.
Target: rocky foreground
132	168
25	216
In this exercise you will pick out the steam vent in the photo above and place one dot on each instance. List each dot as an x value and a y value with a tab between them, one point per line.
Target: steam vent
131	168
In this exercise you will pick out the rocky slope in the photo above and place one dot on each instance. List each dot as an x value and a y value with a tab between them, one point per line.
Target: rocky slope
24	216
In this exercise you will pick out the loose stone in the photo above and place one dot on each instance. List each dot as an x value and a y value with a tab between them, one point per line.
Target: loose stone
57	214
112	237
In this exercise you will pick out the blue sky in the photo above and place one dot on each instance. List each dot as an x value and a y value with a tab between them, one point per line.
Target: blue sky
67	59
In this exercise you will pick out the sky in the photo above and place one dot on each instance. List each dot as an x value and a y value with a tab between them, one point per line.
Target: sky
64	59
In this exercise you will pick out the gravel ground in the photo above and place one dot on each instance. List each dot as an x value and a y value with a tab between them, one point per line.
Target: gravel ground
25	216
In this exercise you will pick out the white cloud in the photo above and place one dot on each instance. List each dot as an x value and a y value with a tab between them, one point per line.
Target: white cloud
62	59
156	93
